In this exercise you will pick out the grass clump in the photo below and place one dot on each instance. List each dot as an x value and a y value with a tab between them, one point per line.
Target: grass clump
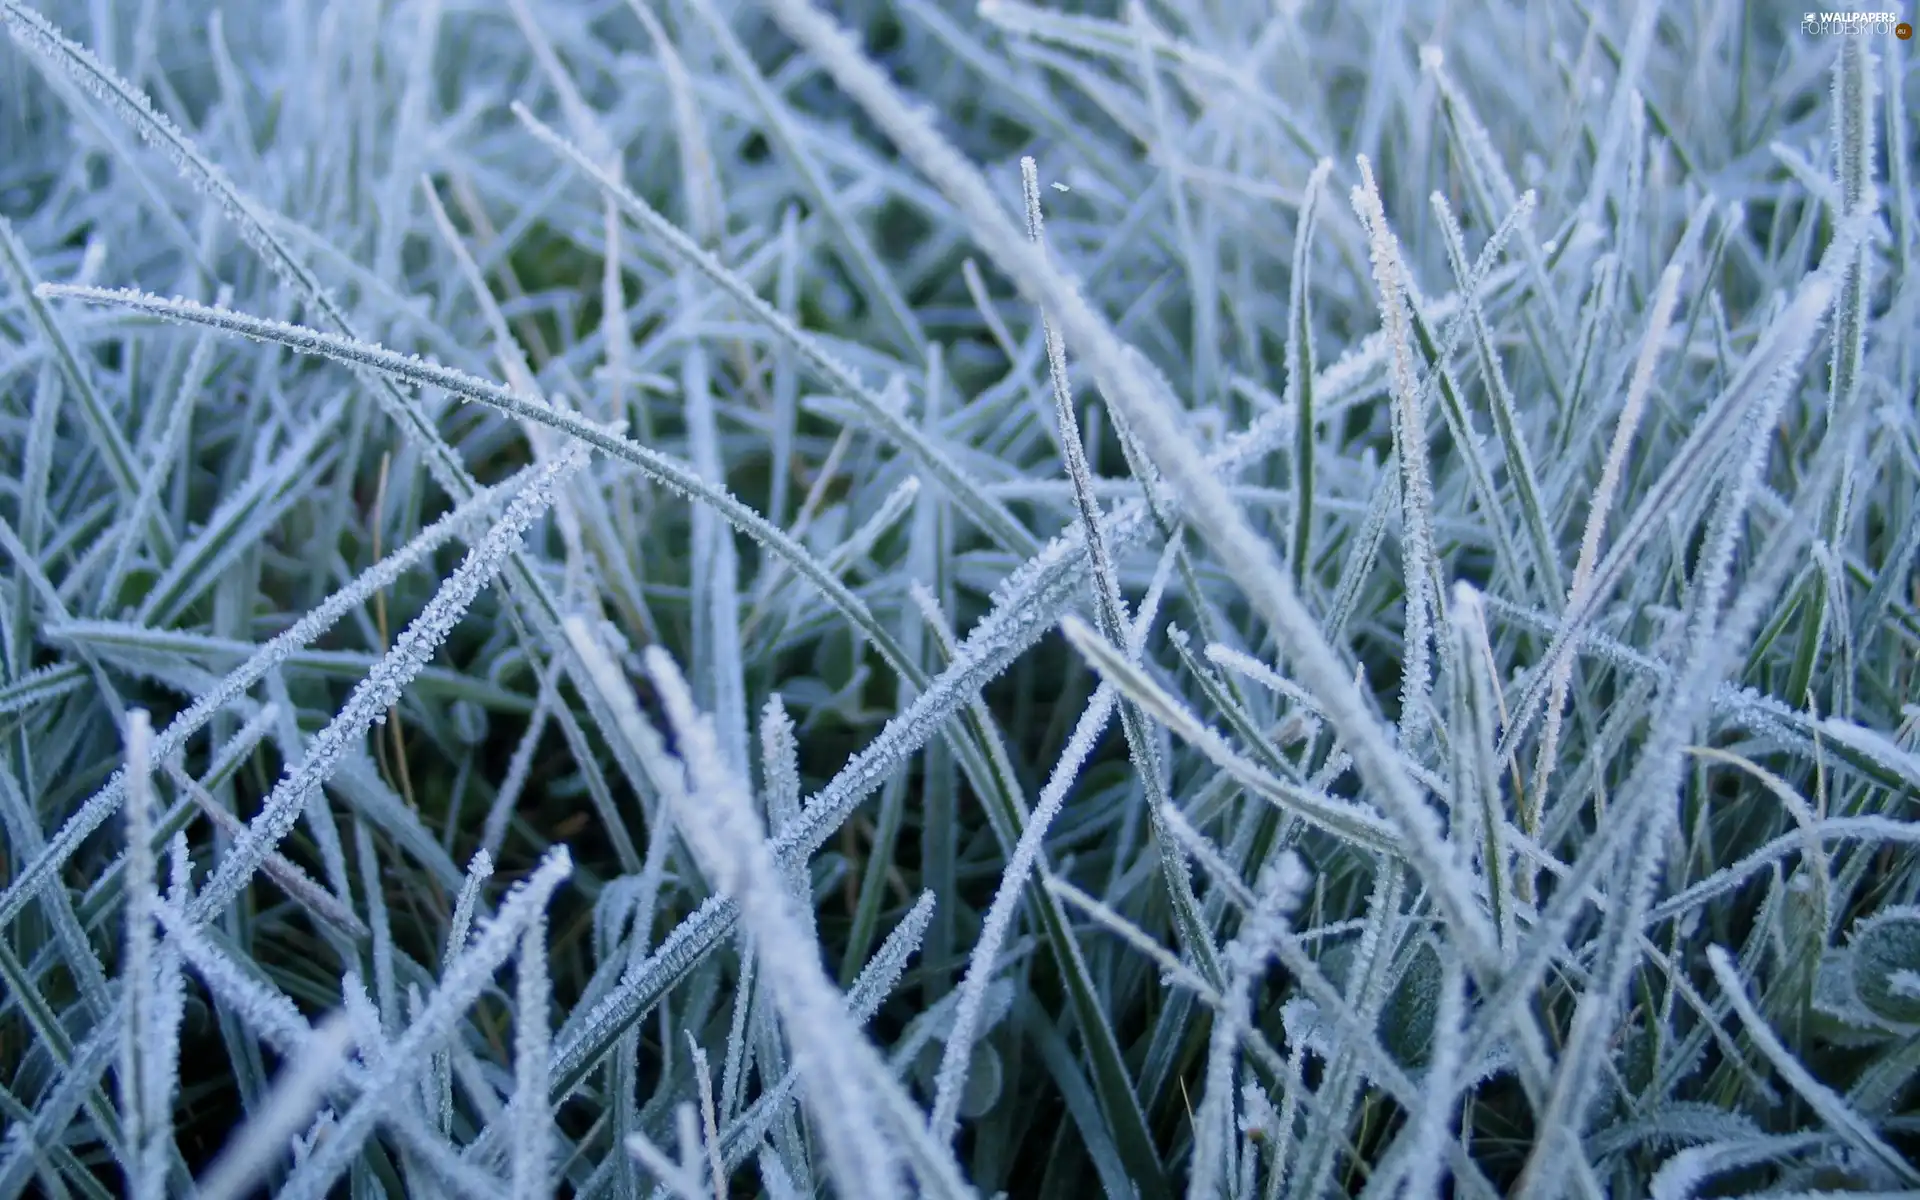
1181	599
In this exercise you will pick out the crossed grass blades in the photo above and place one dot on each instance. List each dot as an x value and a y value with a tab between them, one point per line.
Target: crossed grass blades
1327	602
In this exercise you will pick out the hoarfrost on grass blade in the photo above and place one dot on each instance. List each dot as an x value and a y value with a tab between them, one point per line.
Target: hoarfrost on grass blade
140	1053
459	986
1246	556
369	703
288	1109
832	1057
171	740
379	691
1565	728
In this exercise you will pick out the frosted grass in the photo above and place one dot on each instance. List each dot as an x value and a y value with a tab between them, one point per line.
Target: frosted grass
1502	583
